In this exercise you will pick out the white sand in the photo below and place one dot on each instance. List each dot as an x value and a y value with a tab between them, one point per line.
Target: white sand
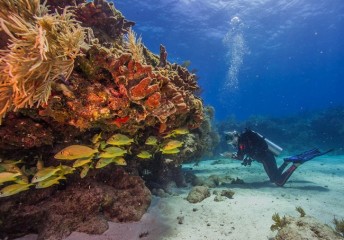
317	187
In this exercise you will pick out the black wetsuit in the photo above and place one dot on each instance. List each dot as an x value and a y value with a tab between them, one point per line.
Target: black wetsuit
252	146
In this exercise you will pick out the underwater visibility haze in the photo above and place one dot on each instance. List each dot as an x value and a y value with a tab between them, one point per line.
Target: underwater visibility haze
261	57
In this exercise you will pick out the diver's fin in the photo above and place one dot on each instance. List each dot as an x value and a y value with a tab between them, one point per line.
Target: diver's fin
306	156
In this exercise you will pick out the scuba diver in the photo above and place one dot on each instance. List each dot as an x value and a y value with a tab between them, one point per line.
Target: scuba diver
253	146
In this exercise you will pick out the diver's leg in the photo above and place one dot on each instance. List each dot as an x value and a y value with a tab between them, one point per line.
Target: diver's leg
286	175
270	166
282	167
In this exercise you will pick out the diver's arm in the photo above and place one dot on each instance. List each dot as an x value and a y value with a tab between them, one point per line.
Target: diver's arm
232	155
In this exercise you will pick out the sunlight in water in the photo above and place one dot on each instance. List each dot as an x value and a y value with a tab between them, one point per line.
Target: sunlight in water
236	50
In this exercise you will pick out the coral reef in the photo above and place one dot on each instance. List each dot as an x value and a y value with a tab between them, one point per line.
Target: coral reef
83	206
108	24
21	133
79	77
201	143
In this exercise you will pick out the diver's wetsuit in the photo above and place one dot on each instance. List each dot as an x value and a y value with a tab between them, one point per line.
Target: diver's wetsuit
252	146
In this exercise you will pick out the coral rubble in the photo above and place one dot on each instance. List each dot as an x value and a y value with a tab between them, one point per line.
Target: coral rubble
198	194
304	228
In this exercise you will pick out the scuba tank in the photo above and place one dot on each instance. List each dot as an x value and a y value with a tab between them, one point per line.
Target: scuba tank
274	148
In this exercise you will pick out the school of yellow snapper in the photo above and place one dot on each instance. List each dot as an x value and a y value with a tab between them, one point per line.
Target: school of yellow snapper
101	154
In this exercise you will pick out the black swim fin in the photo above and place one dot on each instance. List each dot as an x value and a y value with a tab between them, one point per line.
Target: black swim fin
306	156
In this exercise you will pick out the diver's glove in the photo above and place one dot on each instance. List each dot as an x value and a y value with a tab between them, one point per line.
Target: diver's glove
247	161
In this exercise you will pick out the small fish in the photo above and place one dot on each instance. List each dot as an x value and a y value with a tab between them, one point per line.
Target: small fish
120	161
96	138
151	140
119	140
104	162
8	176
12	162
177	131
50	181
100	145
111	152
45	173
10	166
84	170
181	131
144	155
172	144
40	164
66	169
172	151
22	179
81	162
13	189
75	152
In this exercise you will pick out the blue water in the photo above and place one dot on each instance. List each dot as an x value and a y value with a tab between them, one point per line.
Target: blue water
253	57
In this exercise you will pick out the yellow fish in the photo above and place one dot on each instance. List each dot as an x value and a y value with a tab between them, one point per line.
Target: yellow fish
111	152
100	145
45	173
96	138
120	161
10	166
66	169
75	152
172	151
144	155
22	179
177	131
172	144
50	181
13	189
151	141
119	140
81	162
84	170
8	176
180	131
104	162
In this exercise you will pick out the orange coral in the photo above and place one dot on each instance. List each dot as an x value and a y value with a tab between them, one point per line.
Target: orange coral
143	89
135	93
153	101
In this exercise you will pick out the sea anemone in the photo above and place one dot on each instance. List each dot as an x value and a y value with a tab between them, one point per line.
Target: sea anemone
42	48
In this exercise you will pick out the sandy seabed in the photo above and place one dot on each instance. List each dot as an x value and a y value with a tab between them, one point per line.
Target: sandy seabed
317	186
